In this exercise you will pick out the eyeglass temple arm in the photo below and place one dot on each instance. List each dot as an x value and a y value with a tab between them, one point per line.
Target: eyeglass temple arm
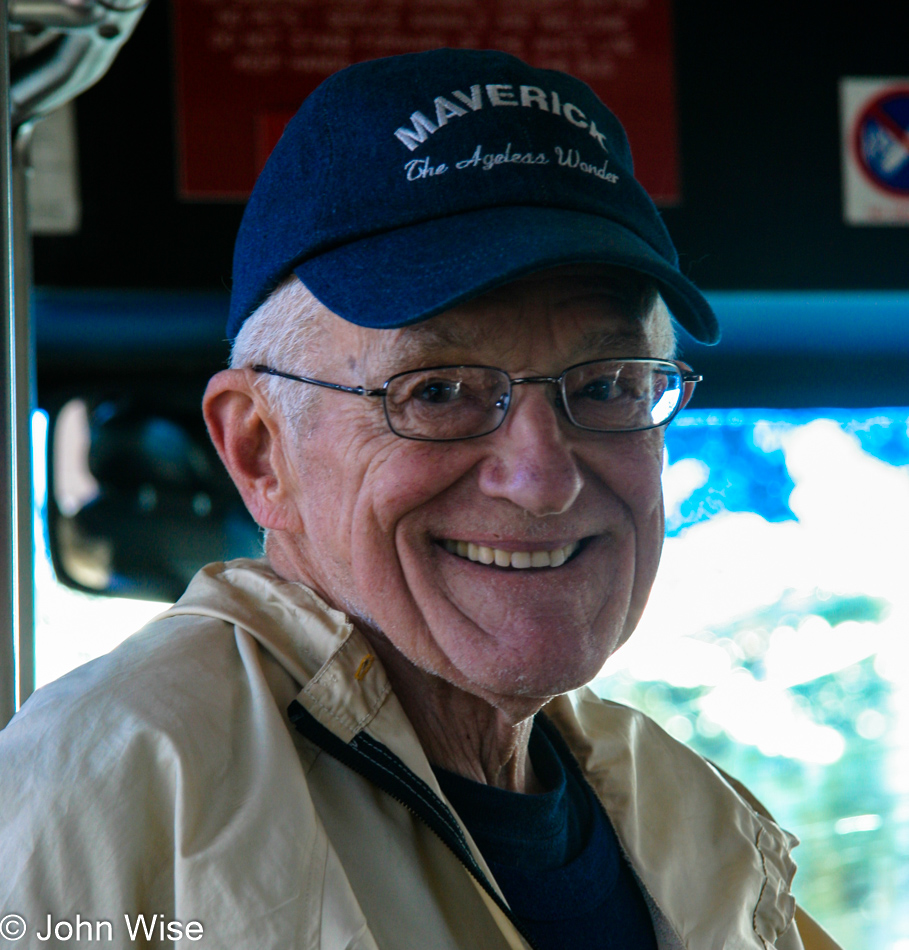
687	377
355	390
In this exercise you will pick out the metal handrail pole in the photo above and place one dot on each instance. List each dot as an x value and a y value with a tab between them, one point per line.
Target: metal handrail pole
93	31
51	14
26	399
9	569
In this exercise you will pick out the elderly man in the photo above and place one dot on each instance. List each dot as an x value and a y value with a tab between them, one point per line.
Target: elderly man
451	373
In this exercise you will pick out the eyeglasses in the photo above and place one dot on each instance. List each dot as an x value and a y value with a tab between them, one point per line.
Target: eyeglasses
449	403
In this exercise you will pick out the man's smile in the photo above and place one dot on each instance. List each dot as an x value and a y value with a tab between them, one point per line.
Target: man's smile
521	559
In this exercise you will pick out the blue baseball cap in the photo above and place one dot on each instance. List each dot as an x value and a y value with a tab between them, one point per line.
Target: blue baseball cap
407	185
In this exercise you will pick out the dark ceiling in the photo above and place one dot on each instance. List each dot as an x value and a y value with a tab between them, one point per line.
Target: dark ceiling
759	129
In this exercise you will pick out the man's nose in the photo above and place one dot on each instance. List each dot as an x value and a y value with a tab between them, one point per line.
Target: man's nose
530	461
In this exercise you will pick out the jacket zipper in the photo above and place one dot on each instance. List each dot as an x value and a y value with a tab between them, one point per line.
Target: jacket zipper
376	763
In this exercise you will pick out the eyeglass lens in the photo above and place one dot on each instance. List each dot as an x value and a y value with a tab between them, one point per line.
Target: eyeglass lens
617	396
459	402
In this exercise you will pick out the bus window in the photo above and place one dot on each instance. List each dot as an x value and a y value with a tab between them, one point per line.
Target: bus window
774	640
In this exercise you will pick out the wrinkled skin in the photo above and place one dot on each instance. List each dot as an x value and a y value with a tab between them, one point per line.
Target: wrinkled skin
358	513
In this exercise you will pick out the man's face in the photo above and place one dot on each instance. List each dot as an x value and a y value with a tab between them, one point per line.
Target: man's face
383	515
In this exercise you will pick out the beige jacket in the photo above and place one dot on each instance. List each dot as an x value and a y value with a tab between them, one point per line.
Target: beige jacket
166	778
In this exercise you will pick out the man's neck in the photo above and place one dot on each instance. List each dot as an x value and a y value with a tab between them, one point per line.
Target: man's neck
460	732
483	738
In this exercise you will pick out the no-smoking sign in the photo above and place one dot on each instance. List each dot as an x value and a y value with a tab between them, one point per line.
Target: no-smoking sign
875	150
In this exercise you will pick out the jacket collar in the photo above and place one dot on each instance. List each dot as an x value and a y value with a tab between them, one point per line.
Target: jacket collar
670	809
667	804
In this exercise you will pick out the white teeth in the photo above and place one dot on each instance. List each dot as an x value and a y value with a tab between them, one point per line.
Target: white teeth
515	559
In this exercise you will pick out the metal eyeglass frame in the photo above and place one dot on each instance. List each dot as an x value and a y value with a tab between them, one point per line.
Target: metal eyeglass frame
687	376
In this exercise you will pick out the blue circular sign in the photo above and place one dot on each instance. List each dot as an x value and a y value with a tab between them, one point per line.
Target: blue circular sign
881	141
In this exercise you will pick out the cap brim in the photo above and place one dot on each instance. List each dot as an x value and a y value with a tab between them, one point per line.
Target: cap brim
407	275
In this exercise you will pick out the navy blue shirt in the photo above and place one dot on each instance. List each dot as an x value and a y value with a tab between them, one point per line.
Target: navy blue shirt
555	855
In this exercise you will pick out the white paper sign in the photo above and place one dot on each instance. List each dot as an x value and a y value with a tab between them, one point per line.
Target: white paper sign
54	205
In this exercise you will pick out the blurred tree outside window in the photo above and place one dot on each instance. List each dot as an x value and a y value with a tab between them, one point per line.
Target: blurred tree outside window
775	640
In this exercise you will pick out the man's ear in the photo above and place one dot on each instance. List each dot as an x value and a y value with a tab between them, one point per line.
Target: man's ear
249	441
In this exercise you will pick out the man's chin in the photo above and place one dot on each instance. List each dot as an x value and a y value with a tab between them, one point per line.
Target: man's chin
507	687
512	632
521	655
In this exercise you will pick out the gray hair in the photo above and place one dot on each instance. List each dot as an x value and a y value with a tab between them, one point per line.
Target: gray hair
658	326
283	333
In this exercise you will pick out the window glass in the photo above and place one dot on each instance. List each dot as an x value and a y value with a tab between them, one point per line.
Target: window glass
72	627
775	641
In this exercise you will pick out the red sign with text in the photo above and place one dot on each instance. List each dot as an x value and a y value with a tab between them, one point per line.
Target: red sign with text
244	67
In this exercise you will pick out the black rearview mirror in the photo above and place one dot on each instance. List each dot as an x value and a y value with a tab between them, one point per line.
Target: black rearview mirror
138	499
